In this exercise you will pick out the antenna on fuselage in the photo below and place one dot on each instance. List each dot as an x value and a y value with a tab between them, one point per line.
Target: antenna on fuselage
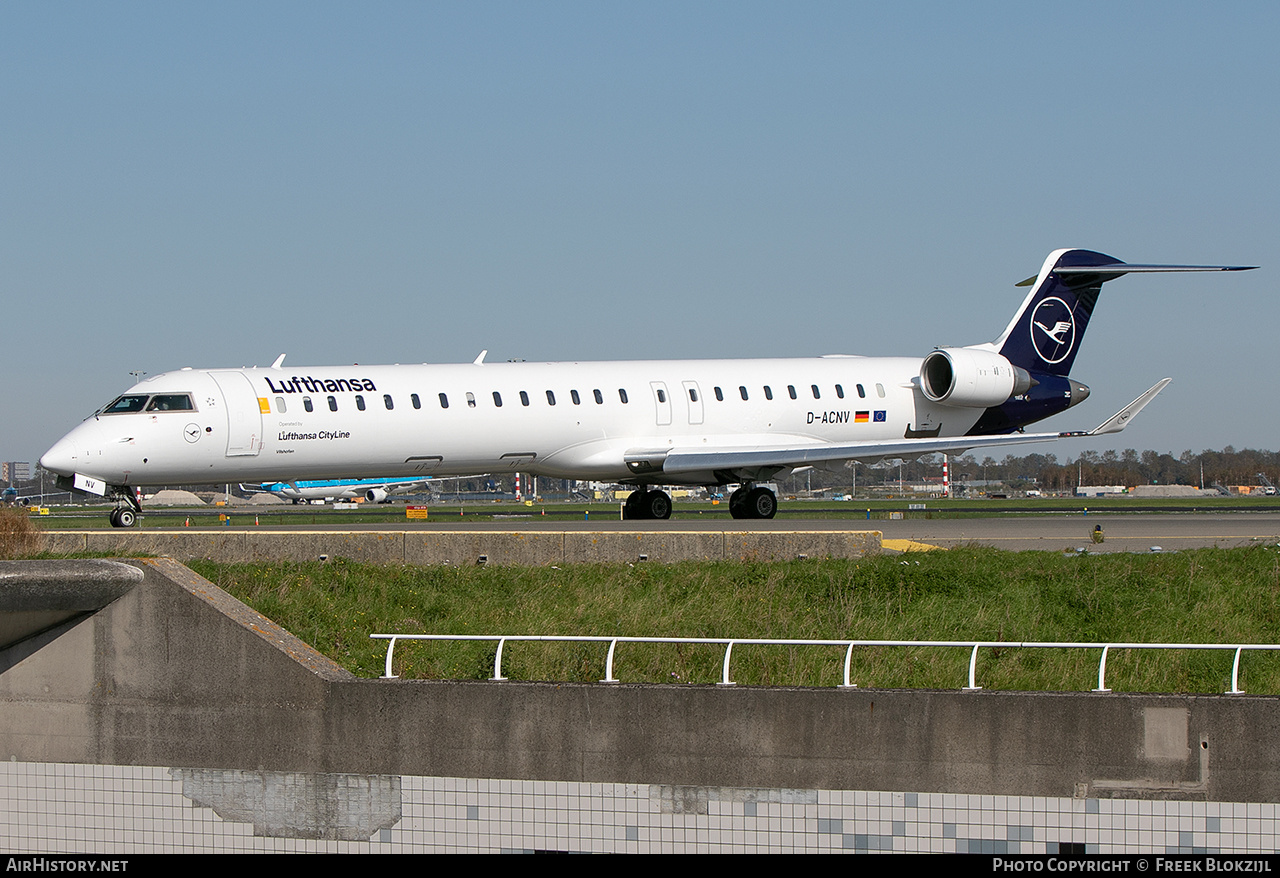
279	361
479	361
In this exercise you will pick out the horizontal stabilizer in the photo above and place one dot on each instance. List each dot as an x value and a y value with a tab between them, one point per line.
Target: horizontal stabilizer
1116	269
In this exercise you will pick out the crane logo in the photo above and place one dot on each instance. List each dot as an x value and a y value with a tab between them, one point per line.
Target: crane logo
1053	330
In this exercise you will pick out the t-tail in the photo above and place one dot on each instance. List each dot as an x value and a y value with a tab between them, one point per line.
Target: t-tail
1045	334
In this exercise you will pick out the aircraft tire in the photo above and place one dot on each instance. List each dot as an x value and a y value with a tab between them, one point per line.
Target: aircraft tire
631	507
761	503
114	517
657	505
738	504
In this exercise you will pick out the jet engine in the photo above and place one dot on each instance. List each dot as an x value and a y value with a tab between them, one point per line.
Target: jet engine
969	377
376	495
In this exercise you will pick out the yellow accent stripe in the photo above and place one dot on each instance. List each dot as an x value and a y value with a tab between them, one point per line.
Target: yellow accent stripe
907	546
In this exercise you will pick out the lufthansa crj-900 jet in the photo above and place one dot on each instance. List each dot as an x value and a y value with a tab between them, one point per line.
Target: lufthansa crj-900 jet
640	423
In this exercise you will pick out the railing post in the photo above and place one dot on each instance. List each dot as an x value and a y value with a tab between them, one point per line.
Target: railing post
1235	674
608	664
724	673
391	645
497	663
848	657
973	666
1102	671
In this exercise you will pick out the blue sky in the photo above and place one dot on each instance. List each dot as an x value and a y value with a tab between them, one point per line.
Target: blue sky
213	185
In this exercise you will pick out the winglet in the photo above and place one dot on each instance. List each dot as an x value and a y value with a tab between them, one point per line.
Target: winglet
479	361
279	361
1121	419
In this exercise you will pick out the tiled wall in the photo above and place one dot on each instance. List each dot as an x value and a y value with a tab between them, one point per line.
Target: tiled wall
52	808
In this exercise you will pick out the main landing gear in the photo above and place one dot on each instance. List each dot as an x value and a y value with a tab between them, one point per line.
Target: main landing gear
644	503
749	502
126	515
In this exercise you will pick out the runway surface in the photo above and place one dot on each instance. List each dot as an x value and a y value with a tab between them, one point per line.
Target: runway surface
1065	532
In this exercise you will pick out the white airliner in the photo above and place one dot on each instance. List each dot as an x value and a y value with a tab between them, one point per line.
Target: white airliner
373	490
642	423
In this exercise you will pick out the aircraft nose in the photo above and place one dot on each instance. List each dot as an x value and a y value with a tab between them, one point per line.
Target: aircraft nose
61	458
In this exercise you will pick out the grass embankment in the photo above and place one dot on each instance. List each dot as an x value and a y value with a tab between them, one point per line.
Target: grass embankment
1202	596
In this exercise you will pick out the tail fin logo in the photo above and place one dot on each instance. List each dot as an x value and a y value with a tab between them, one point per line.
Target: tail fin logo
1053	330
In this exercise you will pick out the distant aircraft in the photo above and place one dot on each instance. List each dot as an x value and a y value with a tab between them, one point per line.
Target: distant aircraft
640	423
373	490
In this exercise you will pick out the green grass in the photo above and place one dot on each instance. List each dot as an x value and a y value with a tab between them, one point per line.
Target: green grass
1201	596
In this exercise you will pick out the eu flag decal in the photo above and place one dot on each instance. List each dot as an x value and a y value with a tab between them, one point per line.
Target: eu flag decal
880	416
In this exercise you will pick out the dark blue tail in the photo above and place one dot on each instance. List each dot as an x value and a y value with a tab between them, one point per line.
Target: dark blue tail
1046	332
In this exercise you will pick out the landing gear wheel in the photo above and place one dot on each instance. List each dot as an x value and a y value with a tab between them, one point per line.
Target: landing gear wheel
631	509
657	505
761	503
738	503
123	516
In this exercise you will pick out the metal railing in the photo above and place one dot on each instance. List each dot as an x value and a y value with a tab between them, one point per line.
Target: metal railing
849	645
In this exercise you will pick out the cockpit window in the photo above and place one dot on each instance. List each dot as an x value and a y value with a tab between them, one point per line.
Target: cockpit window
170	402
126	404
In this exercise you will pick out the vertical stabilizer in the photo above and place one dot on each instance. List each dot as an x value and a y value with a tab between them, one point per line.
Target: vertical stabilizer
1046	332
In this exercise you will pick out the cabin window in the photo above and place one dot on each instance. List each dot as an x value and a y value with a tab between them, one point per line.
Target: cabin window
444	401
360	402
662	395
693	394
280	405
417	403
880	390
551	397
573	395
171	402
742	390
471	400
862	393
386	400
840	391
816	394
768	392
333	403
497	399
306	404
125	405
599	397
791	391
524	398
719	395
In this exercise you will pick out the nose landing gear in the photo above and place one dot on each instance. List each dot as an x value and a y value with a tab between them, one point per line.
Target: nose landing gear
126	515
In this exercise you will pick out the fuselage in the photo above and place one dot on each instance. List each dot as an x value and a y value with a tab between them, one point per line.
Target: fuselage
565	420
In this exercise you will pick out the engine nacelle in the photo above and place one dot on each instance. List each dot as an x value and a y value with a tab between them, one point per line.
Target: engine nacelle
376	495
968	377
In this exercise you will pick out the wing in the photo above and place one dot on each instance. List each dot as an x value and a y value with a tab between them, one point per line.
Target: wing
765	461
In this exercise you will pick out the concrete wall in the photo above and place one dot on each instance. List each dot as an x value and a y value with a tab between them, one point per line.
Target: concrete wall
465	546
176	672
